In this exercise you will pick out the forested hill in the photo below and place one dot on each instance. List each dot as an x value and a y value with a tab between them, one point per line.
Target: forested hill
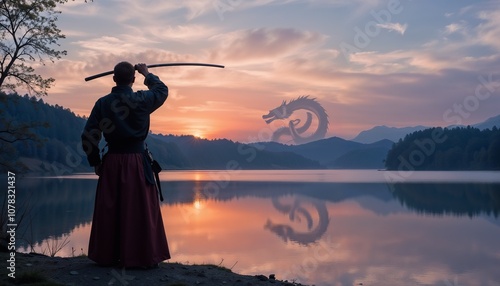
57	148
53	134
461	148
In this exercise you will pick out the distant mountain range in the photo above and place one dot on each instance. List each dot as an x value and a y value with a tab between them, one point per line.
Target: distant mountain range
189	152
57	149
488	123
367	151
336	153
378	133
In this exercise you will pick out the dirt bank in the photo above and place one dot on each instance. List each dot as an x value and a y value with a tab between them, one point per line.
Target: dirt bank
34	269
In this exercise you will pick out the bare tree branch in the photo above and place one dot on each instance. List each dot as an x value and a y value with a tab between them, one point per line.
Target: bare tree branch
29	35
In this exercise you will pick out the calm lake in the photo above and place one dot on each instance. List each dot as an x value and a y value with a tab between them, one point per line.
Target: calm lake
322	227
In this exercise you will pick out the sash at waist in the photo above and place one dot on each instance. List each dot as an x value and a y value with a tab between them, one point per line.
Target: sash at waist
126	147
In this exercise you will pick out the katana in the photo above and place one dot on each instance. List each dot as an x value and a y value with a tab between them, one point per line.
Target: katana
158	65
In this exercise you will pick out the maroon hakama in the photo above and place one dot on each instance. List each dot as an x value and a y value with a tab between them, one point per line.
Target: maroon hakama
127	227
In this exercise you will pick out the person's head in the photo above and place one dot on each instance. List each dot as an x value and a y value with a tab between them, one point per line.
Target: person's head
124	73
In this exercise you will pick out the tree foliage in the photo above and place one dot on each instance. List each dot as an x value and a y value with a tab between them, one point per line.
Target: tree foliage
460	148
28	35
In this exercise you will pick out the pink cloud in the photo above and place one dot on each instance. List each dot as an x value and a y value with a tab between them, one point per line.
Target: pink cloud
264	44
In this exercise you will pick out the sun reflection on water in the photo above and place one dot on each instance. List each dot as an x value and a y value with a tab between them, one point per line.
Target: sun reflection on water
197	205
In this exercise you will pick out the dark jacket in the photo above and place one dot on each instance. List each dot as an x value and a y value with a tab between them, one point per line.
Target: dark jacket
122	117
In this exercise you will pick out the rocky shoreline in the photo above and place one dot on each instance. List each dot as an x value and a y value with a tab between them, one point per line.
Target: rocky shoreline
36	269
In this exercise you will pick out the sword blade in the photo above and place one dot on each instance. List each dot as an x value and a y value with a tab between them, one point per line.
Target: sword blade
158	65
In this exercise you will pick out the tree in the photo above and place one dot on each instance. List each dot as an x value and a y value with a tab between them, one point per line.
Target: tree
28	34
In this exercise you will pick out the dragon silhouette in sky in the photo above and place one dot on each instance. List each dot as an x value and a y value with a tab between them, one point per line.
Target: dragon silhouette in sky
294	129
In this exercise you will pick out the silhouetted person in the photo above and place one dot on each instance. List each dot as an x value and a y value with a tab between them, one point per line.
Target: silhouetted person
127	227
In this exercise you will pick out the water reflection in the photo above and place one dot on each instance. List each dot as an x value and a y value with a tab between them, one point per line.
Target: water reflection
57	206
297	210
316	232
450	199
53	207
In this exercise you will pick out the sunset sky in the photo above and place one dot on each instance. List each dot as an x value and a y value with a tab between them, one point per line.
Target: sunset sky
367	62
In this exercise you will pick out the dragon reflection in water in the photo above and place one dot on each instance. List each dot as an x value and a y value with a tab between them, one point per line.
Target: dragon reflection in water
293	130
304	211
